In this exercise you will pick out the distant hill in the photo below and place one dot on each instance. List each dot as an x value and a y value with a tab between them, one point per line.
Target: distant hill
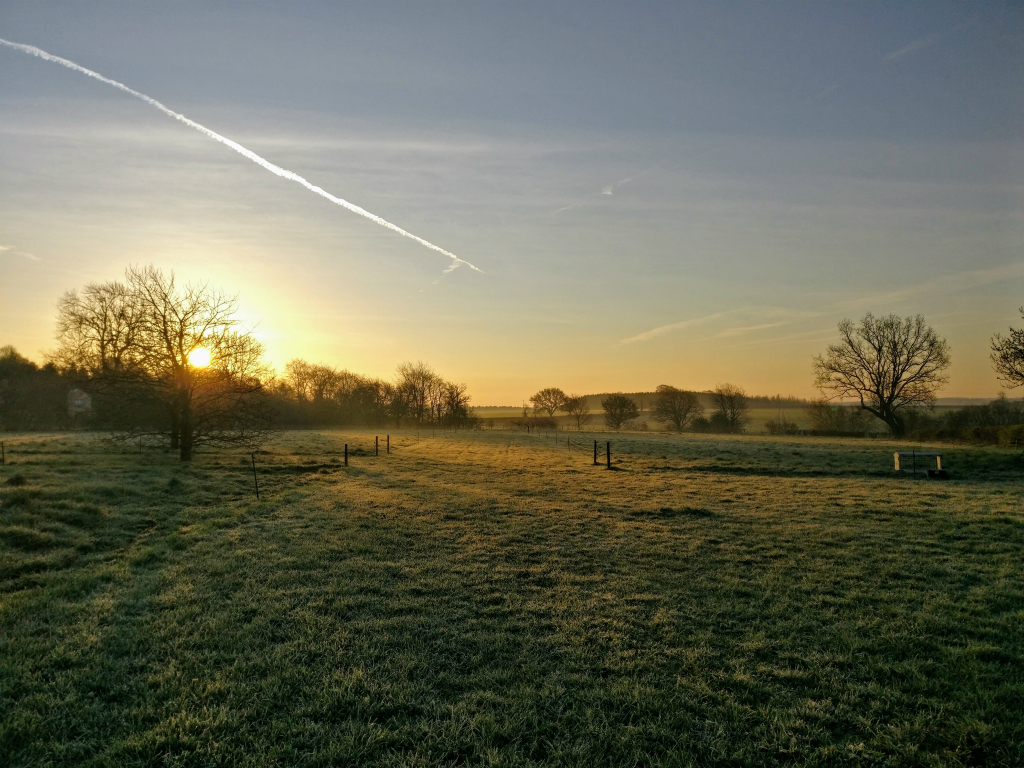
646	401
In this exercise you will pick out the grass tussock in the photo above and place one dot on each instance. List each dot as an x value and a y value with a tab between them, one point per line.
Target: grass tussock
488	599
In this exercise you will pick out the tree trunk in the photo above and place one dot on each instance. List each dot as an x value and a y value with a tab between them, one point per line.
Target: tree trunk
895	423
175	431
185	428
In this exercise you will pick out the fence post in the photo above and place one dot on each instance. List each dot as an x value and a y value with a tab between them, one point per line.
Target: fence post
3	456
376	445
608	454
595	453
254	479
389	443
346	454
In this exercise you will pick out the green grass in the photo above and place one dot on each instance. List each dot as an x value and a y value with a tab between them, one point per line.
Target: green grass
493	599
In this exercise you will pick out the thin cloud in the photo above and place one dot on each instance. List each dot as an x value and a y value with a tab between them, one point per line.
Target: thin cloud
778	315
741	330
913	47
568	207
15	252
607	189
663	329
943	284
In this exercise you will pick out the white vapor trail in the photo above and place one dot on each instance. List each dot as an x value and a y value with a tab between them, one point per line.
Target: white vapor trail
277	170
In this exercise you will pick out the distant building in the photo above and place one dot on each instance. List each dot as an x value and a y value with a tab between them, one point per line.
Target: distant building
78	402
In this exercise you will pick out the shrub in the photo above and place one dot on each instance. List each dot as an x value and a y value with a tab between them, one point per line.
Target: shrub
781	426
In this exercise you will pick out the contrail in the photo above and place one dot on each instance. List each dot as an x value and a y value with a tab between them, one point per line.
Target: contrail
275	169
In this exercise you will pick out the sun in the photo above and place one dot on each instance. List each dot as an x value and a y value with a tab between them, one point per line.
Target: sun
199	357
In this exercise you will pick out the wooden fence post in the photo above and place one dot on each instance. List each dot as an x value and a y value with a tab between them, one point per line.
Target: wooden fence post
376	445
346	454
254	478
389	443
608	454
595	453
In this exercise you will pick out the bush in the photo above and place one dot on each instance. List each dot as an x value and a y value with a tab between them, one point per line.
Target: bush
829	419
536	422
781	426
720	423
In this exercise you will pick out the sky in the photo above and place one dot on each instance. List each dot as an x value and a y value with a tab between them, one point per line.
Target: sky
655	193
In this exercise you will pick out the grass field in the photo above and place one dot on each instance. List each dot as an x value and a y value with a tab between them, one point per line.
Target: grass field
494	599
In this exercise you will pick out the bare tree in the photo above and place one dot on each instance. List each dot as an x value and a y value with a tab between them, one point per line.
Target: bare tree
888	363
313	382
99	329
676	406
829	418
1008	356
175	348
417	381
549	400
731	407
577	407
618	410
456	404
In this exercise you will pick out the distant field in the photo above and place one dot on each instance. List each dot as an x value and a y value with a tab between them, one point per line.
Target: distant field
492	598
501	418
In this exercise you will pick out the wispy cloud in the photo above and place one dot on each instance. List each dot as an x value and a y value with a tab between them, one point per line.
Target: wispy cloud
942	284
745	329
567	207
826	91
913	47
663	329
610	188
778	316
15	252
607	189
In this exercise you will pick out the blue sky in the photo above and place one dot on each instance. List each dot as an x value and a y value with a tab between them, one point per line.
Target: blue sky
656	193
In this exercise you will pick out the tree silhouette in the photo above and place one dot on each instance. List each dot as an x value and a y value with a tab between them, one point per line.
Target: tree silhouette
731	407
577	407
140	341
618	410
549	400
888	363
1008	356
676	406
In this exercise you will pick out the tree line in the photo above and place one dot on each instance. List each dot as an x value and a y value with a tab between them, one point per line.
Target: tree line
156	358
169	362
678	409
312	394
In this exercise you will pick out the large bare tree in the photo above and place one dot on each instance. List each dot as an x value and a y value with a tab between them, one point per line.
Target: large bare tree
175	348
1008	356
549	400
887	363
676	406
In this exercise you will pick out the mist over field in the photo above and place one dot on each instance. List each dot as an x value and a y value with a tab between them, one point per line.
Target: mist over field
641	384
